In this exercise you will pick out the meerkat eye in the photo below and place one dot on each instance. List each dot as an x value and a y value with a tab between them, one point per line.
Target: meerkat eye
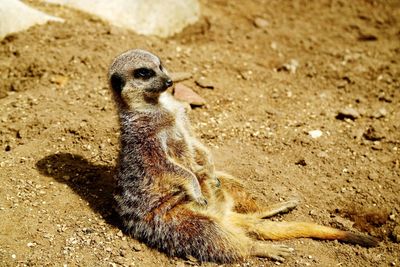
143	73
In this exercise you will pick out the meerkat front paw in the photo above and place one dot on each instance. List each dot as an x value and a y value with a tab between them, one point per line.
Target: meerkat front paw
202	201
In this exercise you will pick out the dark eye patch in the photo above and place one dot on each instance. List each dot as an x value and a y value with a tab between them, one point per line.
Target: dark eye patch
143	73
117	83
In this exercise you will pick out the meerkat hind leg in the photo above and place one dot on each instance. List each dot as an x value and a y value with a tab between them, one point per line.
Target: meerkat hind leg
275	252
278	209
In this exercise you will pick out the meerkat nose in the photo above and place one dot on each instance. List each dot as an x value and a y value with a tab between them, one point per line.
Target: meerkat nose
169	83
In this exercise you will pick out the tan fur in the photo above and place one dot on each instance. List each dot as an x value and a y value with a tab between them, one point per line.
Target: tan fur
170	195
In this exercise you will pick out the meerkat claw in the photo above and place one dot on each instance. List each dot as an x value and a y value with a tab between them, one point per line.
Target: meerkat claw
217	182
202	201
275	252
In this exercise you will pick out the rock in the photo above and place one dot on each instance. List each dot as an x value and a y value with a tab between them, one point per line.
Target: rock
156	17
322	154
301	162
342	223
373	134
180	76
260	22
136	247
290	67
15	16
315	134
203	82
396	234
348	113
60	80
382	112
246	74
184	93
367	37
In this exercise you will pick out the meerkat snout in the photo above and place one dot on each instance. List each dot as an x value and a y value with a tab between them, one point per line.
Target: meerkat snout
169	83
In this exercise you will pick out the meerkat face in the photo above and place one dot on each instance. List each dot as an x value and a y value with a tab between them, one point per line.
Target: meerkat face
138	75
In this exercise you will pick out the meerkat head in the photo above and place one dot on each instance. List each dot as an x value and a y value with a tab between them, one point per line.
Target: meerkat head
137	78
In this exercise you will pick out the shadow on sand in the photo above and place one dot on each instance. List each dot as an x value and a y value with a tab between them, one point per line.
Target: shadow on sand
93	183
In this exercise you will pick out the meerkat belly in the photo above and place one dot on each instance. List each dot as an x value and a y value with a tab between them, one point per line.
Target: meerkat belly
179	146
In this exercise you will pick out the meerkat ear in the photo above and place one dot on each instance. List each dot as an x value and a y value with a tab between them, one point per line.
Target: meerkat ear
117	82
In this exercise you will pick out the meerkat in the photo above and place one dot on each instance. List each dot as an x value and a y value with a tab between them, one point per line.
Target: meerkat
169	194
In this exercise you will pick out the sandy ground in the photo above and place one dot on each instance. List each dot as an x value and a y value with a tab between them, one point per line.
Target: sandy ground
272	83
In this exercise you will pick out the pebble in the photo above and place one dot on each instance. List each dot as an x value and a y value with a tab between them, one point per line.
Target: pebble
301	162
180	76
203	82
396	234
342	222
31	244
136	247
347	113
184	93
373	134
291	66
315	134
59	80
322	154
260	22
367	37
120	234
382	112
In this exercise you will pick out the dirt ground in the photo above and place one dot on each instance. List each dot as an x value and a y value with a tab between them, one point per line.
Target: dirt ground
327	65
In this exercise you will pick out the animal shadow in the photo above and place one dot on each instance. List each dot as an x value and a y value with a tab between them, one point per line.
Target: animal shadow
93	183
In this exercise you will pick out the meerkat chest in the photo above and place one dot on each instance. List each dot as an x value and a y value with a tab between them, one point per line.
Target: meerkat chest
177	142
176	139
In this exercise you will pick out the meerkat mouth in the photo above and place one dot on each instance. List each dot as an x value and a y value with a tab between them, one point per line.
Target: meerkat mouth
158	90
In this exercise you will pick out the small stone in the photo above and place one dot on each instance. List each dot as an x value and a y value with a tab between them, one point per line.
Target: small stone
120	234
31	244
367	37
66	177
14	256
373	176
315	134
59	80
342	223
185	94
290	67
373	134
136	247
246	74
260	23
348	113
322	154
203	82
301	162
382	112
180	76
396	234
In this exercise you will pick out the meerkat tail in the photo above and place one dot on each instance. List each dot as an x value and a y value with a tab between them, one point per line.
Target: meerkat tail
286	230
